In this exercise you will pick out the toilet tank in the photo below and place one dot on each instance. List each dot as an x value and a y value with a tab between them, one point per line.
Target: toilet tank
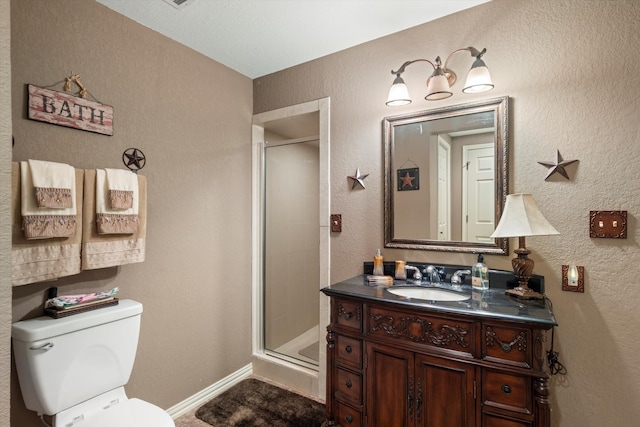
62	362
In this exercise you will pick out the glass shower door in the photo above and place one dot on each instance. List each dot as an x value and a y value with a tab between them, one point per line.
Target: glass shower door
291	251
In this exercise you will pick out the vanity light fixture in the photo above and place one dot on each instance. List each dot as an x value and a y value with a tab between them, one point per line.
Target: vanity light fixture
440	82
520	218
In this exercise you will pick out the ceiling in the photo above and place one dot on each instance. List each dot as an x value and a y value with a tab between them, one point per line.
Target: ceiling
259	37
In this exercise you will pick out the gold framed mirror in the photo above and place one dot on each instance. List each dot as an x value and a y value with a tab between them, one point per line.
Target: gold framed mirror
446	177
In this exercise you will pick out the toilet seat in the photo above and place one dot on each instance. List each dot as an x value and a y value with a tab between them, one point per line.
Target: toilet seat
130	413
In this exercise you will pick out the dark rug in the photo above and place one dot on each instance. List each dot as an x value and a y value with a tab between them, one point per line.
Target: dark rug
255	403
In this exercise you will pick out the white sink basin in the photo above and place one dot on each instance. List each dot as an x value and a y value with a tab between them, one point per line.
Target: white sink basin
430	294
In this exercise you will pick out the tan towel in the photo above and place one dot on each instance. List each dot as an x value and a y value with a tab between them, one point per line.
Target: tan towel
107	250
114	221
122	188
45	259
52	183
42	222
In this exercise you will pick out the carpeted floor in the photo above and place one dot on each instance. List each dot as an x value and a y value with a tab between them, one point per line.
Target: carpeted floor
254	403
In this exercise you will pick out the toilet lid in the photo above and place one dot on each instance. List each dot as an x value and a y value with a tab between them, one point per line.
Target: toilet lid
131	413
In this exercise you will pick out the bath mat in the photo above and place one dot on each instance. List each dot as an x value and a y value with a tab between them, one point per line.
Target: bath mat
311	352
254	403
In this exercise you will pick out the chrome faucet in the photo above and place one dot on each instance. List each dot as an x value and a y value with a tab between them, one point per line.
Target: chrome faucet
416	272
458	277
433	274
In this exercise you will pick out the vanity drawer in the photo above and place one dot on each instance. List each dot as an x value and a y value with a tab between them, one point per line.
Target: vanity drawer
508	345
453	334
492	420
347	416
506	391
348	314
348	387
349	351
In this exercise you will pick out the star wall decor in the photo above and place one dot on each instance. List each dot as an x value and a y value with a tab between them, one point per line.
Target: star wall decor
408	179
557	166
134	159
358	179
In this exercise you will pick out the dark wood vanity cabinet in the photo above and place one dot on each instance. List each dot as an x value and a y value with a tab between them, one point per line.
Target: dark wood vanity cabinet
404	366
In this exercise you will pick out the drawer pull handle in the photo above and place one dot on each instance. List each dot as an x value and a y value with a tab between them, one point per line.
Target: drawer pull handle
348	419
348	349
348	383
346	315
506	389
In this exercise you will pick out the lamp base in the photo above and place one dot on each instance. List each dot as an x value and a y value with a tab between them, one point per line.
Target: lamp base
524	293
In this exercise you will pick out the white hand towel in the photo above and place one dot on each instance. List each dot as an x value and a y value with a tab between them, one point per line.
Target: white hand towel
52	183
114	221
45	223
121	185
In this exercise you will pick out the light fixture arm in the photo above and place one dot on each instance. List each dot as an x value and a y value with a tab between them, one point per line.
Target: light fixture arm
406	64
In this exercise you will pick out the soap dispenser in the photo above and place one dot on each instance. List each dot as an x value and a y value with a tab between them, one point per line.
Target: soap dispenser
378	265
480	274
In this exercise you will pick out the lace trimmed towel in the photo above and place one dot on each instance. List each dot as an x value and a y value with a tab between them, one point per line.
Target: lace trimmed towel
38	260
108	250
121	187
52	183
114	221
44	222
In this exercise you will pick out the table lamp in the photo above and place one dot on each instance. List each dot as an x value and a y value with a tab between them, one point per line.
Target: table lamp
520	218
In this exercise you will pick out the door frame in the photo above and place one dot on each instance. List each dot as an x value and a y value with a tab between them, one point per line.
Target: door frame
300	378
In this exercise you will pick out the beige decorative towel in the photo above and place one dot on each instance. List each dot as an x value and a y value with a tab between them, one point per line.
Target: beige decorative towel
122	185
44	223
52	183
108	250
112	221
44	259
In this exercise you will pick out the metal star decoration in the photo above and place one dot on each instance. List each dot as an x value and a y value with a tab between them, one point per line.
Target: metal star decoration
557	166
134	159
358	179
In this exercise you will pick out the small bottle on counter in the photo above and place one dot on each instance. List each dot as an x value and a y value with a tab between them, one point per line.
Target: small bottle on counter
378	265
401	270
480	274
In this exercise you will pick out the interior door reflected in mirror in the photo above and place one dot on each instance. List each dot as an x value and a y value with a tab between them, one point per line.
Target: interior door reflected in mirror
446	176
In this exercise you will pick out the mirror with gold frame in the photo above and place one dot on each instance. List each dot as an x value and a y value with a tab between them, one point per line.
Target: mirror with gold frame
446	177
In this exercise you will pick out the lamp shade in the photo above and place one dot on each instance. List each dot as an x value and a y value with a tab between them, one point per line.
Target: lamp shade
438	86
398	94
521	217
478	79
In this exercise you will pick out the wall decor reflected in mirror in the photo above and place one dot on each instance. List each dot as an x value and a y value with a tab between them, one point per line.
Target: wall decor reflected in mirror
461	153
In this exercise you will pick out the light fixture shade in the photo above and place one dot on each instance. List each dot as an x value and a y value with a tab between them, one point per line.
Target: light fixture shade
438	86
521	217
398	94
478	79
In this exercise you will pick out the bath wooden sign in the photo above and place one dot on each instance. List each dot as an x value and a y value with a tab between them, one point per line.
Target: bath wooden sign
58	108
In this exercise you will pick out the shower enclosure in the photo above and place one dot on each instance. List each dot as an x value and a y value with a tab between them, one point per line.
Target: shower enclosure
291	248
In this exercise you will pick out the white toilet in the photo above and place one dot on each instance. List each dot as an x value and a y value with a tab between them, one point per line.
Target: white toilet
75	368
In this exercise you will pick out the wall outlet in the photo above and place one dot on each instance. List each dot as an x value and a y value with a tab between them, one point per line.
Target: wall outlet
573	278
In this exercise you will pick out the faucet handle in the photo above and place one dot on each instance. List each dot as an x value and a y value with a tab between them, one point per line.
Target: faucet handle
458	277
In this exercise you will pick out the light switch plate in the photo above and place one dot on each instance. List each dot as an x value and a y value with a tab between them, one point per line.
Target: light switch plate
608	224
336	223
579	286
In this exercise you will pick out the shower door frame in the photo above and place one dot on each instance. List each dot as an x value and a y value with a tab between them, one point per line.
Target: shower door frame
278	368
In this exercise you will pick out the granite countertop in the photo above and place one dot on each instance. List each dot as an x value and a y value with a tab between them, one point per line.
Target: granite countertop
492	303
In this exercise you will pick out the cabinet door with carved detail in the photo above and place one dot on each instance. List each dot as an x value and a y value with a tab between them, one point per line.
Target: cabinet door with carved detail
445	393
390	387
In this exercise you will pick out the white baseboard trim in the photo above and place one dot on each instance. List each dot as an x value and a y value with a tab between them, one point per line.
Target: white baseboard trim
210	392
